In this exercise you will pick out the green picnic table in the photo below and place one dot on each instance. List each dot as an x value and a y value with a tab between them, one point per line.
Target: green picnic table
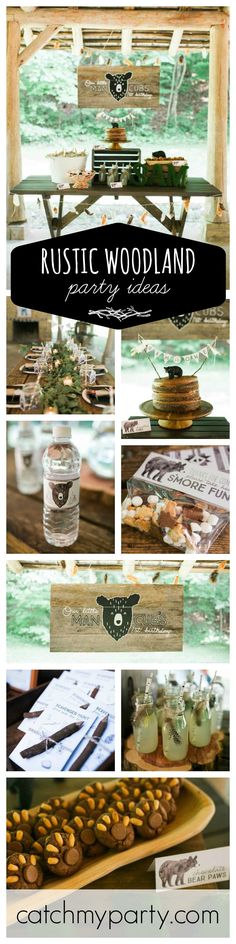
46	188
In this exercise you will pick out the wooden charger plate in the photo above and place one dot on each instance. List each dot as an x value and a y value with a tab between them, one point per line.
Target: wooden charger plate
194	811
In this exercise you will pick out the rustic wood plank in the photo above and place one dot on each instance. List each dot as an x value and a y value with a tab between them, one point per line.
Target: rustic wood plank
195	187
79	622
95	90
110	18
37	43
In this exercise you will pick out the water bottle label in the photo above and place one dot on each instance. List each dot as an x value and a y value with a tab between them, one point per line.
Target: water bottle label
61	495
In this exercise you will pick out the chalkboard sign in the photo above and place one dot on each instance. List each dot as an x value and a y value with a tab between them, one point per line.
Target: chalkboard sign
117	86
121	617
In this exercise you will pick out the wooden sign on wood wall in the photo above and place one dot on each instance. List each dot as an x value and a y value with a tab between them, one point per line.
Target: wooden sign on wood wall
115	618
117	87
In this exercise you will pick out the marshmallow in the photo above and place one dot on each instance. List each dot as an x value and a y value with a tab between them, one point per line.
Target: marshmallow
206	528
153	500
195	526
136	500
213	519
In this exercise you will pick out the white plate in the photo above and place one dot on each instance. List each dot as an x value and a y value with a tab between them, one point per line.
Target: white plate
86	397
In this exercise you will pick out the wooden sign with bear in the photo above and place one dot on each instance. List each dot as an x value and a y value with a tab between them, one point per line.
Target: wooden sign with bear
116	617
116	87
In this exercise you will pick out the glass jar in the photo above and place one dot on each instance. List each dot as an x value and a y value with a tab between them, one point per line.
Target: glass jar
174	729
145	726
216	704
200	720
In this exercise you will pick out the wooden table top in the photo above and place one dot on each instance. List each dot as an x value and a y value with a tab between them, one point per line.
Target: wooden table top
16	377
195	187
24	517
132	540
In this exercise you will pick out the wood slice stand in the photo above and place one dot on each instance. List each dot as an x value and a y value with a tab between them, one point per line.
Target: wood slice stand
157	762
173	420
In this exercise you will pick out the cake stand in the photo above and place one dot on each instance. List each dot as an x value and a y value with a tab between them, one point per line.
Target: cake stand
174	420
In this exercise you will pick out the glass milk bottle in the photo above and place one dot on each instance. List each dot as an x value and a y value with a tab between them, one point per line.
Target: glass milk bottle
200	720
27	460
61	481
216	703
174	729
145	727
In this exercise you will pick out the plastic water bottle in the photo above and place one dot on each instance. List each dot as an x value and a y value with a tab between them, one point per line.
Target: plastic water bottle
61	482
27	460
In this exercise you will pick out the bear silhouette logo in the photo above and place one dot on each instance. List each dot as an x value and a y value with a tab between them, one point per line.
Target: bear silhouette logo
60	492
27	459
117	614
118	84
168	869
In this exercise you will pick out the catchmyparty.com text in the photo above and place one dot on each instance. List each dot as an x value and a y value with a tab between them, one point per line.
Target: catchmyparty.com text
108	919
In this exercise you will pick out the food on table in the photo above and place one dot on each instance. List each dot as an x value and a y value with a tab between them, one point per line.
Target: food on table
18	819
84	829
89	806
179	395
149	818
180	523
45	824
57	804
18	840
114	830
131	810
63	853
116	134
24	871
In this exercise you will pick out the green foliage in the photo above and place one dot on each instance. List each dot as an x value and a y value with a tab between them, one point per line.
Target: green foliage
48	96
55	393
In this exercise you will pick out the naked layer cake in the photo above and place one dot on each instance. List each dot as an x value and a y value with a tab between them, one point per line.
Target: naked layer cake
115	134
176	395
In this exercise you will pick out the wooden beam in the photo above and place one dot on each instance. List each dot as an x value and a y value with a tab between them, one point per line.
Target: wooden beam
126	42
217	121
40	40
77	40
28	35
122	18
16	212
175	42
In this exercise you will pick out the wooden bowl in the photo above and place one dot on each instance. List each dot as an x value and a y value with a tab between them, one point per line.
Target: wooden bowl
194	811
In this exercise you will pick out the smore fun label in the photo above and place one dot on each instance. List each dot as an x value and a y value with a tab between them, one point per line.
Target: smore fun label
60	495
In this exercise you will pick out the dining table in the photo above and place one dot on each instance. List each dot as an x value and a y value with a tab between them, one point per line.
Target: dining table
16	379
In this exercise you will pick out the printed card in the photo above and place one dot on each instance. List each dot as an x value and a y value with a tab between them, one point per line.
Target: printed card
200	868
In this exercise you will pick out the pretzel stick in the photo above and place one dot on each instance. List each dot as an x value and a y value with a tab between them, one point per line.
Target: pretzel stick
42	746
90	746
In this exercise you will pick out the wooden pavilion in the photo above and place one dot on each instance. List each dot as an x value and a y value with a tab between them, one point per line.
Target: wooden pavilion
124	29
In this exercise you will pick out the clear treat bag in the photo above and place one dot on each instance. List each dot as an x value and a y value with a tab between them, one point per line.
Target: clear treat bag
184	504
